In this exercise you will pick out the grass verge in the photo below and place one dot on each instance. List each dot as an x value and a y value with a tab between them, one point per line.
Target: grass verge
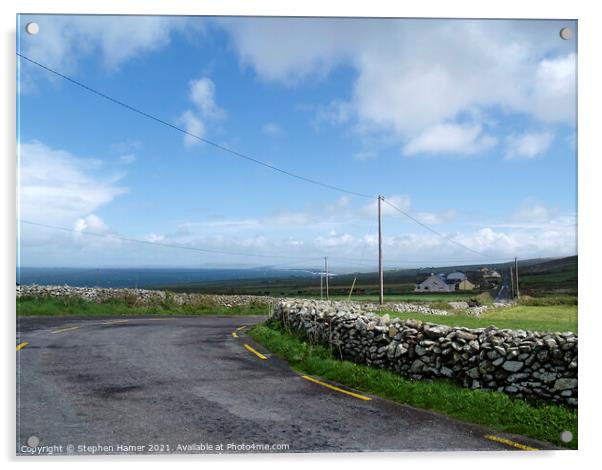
35	306
492	409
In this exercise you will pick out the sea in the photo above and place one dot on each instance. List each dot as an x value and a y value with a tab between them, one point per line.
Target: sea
147	277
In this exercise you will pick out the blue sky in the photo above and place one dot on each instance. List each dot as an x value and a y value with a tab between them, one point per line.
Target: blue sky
467	125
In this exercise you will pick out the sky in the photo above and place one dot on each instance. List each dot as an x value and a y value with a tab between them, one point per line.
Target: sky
469	126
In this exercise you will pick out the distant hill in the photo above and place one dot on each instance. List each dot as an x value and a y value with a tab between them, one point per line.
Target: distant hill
542	275
550	277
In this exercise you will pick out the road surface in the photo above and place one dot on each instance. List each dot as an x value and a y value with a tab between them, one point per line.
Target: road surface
189	384
504	295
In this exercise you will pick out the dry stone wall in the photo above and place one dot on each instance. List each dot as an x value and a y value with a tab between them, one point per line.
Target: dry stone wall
140	297
527	364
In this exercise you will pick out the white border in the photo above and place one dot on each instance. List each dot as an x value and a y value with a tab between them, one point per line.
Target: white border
590	42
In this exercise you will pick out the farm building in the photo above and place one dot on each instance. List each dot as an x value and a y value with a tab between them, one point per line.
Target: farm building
436	283
465	284
489	273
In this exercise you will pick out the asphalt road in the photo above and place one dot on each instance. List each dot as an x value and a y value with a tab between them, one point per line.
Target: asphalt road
504	295
187	384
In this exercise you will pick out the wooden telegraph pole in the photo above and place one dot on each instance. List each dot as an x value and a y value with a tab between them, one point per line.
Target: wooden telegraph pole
516	274
380	255
326	270
321	286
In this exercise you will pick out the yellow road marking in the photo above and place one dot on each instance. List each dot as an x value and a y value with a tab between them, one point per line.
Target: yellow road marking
241	328
111	322
22	345
234	335
65	329
508	442
159	319
332	387
257	353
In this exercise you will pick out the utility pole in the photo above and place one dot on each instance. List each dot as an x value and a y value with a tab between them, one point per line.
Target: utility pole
326	271
516	274
511	281
380	255
321	285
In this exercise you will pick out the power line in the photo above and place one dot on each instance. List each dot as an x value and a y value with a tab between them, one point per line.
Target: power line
201	139
237	154
449	239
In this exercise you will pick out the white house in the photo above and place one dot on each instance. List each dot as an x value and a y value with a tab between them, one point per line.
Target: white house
489	273
436	283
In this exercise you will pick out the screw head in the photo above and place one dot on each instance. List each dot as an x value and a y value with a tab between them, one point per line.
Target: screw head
32	28
566	33
33	441
566	436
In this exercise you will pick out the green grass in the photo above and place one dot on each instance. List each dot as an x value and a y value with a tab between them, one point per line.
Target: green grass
492	409
545	318
64	306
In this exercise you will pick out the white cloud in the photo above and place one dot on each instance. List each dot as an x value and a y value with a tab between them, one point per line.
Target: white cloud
433	218
528	145
128	159
193	125
58	188
414	75
404	248
154	238
272	129
533	211
90	223
401	202
202	95
449	139
65	39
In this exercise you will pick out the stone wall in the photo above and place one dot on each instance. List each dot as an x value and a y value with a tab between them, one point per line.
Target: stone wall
527	364
150	297
139	297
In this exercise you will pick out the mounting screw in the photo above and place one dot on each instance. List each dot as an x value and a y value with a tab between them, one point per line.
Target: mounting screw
32	28
566	33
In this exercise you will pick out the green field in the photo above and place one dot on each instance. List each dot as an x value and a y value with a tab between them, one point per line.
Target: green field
64	306
489	408
559	318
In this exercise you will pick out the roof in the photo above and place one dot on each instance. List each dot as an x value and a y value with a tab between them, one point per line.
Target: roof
459	275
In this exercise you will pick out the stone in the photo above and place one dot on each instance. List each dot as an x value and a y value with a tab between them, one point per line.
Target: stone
513	366
400	350
416	366
465	335
565	384
498	361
